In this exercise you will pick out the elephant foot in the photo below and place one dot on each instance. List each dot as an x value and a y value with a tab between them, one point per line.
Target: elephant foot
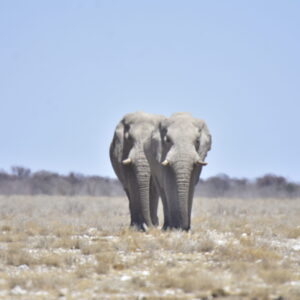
155	222
175	227
137	227
166	226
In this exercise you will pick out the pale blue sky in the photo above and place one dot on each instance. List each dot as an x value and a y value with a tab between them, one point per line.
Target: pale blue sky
69	71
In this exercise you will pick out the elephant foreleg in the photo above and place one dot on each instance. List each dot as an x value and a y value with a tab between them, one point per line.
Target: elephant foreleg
135	217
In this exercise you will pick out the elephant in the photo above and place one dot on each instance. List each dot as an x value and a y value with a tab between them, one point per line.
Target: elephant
132	168
176	152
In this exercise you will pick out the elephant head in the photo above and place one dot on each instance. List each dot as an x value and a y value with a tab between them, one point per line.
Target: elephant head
132	168
177	154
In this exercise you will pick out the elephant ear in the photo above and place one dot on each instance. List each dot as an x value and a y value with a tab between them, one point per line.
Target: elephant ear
116	148
205	140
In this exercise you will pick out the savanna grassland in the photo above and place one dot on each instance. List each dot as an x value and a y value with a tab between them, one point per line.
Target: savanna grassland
81	248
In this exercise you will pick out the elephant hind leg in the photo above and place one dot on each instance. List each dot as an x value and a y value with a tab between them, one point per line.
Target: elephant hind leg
167	219
153	203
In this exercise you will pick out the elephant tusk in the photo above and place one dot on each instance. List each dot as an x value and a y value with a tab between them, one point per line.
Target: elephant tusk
165	163
127	161
201	163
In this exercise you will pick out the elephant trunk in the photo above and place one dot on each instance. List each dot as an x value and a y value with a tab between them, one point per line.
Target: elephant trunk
183	170
143	186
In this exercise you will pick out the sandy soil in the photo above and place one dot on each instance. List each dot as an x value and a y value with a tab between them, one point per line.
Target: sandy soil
81	248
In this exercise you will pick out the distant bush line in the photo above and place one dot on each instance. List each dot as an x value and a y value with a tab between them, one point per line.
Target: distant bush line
21	181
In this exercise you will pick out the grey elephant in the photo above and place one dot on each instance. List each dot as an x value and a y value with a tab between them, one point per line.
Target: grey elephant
176	152
132	168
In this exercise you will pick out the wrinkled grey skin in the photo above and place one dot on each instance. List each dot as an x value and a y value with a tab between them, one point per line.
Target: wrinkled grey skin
182	143
128	144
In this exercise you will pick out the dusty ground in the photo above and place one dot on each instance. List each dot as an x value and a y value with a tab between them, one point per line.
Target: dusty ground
81	248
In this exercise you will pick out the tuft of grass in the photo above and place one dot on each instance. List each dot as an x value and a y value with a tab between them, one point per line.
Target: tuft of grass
6	238
102	267
51	260
261	293
189	280
15	255
138	282
106	257
62	230
10	237
6	228
33	229
48	281
293	233
93	248
83	270
206	245
276	275
259	253
66	242
235	252
57	260
105	262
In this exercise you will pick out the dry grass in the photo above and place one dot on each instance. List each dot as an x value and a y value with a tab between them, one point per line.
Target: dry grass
81	248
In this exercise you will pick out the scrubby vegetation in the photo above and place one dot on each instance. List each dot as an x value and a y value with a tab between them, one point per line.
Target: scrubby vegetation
81	248
21	181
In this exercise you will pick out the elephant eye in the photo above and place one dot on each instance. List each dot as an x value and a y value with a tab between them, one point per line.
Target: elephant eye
128	137
197	143
167	139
